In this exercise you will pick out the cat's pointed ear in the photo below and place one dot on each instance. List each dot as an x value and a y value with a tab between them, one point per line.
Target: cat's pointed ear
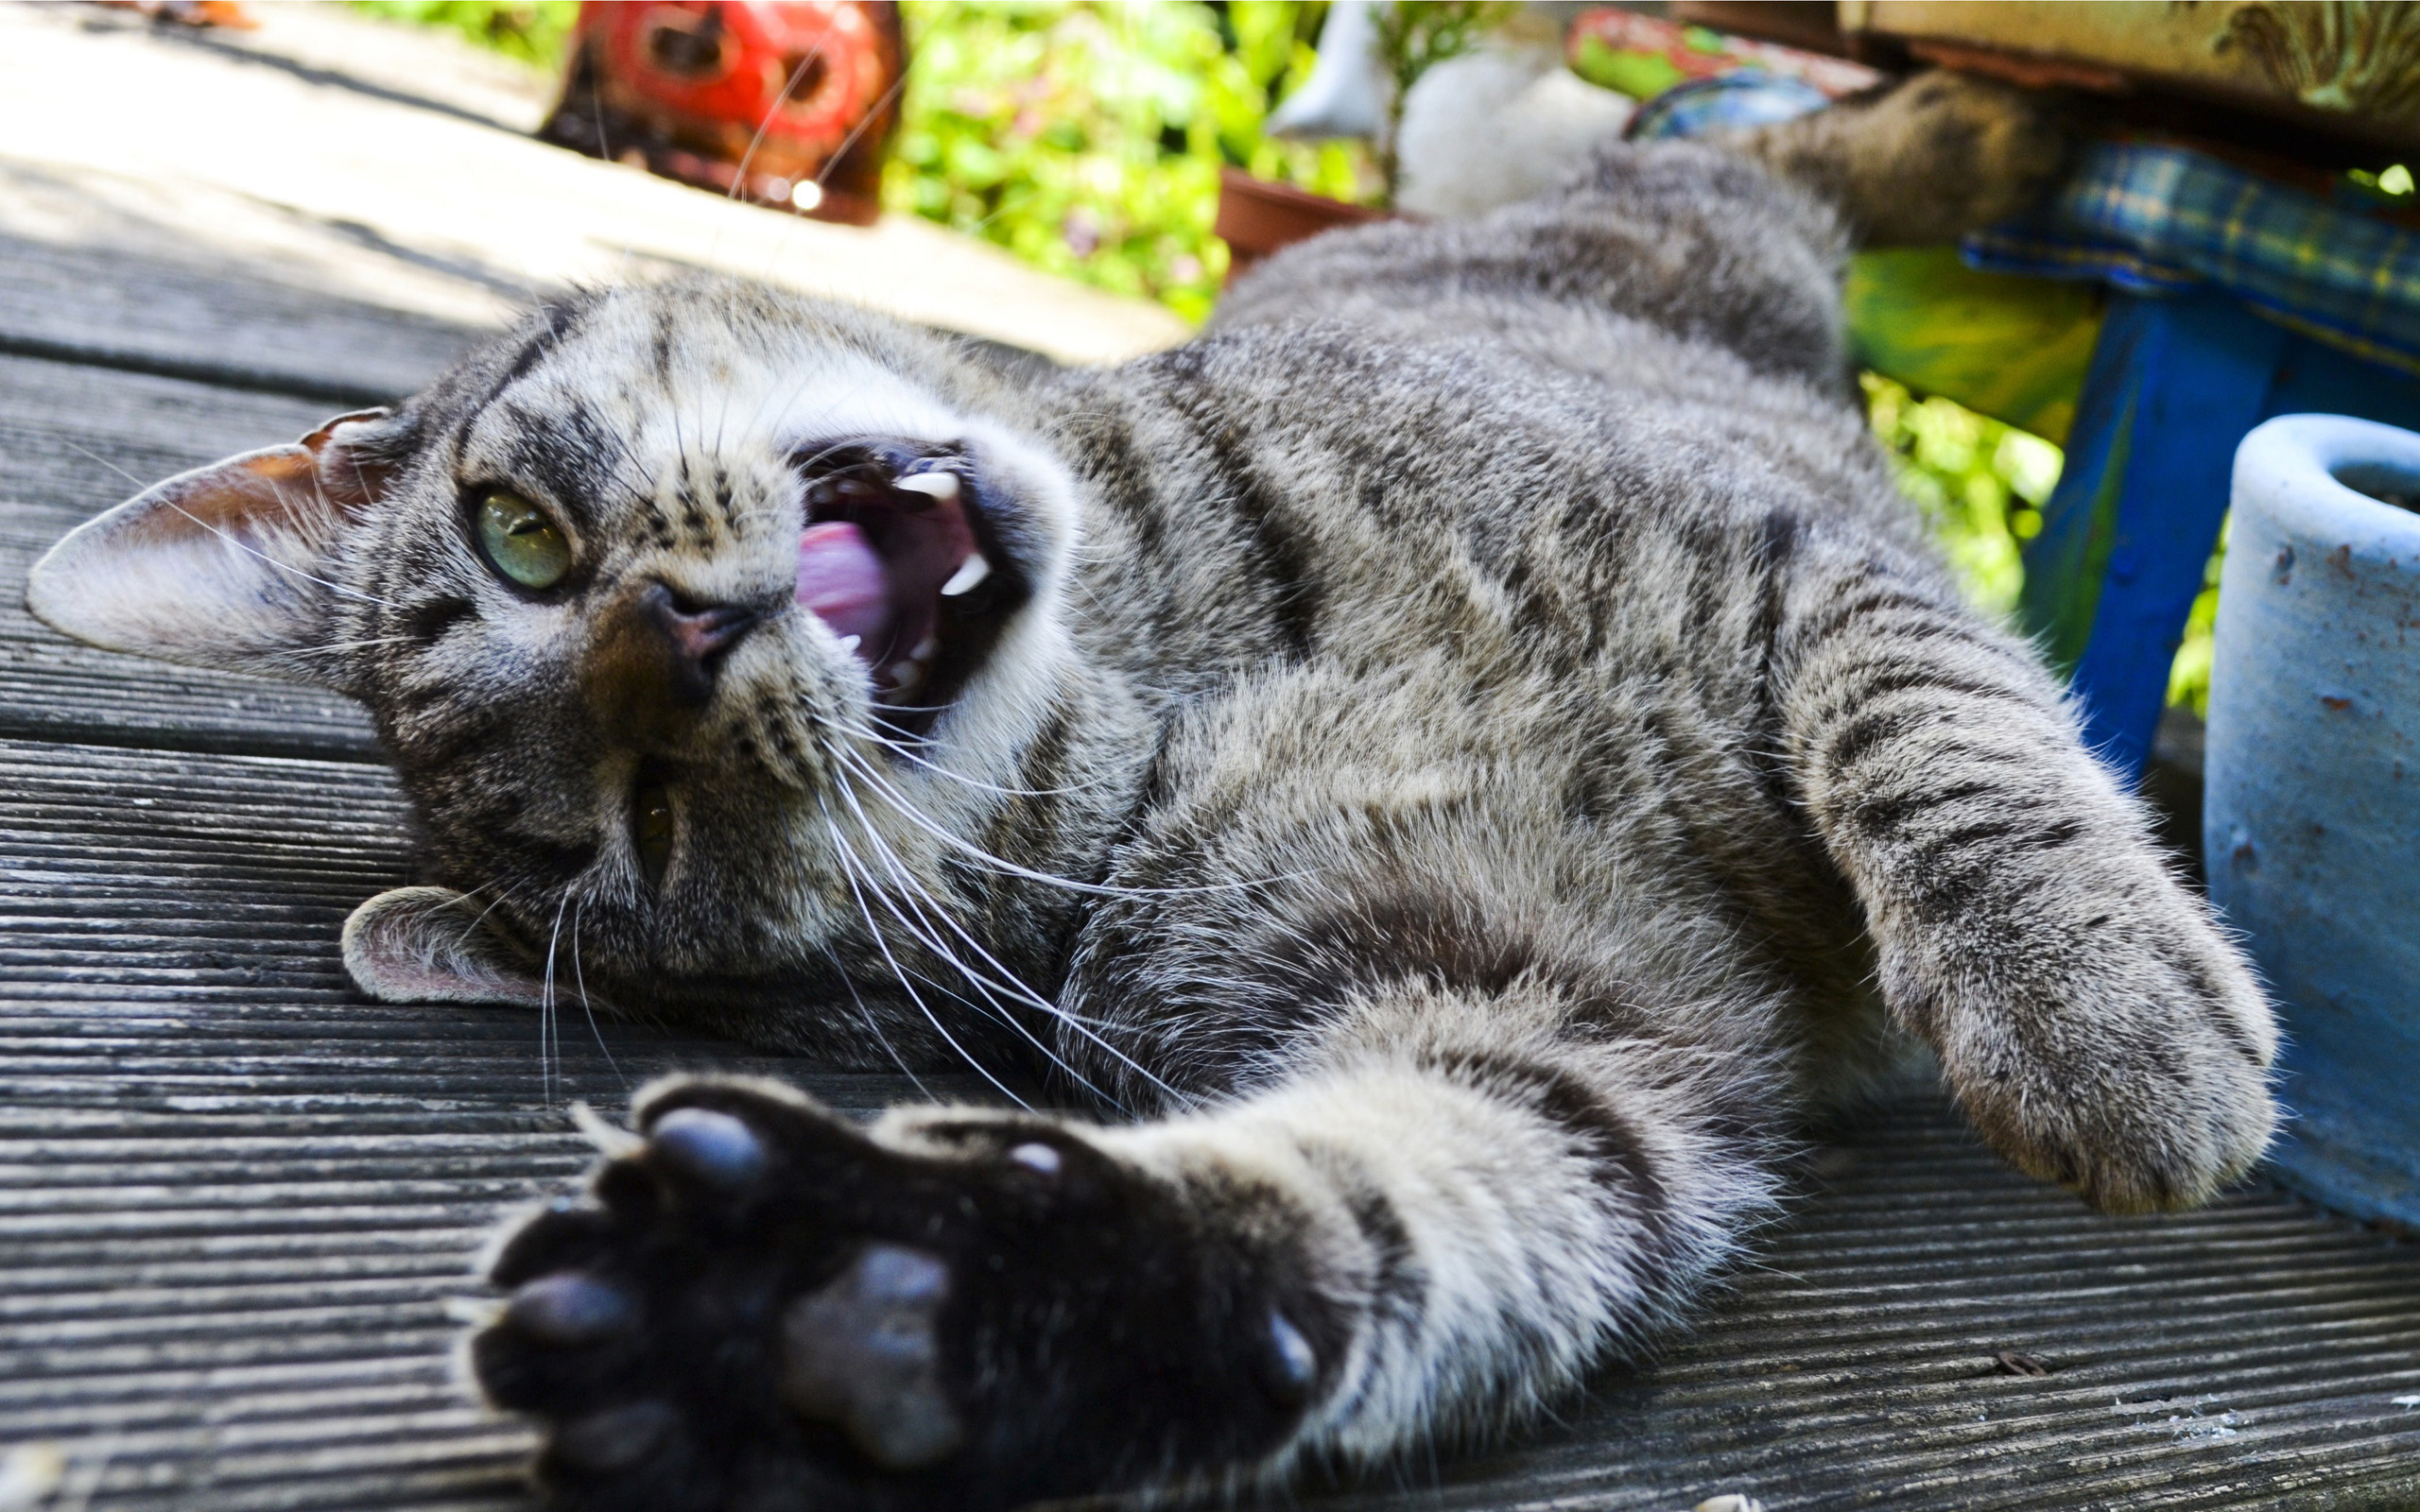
428	945
233	565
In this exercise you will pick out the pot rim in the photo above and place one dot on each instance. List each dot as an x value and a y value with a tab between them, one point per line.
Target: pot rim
2293	470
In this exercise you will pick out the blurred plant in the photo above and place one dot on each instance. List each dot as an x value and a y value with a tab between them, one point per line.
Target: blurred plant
1414	36
535	31
1980	484
2188	676
1087	138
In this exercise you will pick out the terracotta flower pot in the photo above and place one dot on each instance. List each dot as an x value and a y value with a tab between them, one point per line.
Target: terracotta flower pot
1256	216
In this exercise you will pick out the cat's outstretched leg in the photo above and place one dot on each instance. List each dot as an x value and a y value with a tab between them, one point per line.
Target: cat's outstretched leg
767	1307
2089	1016
1921	161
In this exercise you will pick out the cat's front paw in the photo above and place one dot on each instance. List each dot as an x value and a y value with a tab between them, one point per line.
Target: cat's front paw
764	1307
2117	1046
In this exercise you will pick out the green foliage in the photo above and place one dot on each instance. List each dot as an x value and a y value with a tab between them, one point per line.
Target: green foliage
1980	484
1642	75
1087	138
535	31
2188	676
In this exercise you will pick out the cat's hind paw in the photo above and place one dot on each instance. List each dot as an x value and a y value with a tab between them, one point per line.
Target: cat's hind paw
2126	1058
1927	160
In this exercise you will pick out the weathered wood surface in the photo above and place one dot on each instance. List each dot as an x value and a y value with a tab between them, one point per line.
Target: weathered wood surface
326	156
114	283
235	1199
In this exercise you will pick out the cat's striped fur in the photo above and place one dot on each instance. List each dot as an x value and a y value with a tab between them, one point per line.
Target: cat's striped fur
1513	750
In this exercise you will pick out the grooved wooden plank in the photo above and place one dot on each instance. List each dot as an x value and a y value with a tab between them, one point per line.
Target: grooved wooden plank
157	313
104	270
1833	1375
235	1198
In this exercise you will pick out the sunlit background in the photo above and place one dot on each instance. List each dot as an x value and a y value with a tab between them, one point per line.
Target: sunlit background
1086	138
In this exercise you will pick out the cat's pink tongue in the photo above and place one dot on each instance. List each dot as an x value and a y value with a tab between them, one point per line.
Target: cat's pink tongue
840	581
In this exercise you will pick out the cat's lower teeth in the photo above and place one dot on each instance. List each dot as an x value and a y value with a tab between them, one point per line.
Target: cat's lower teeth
905	677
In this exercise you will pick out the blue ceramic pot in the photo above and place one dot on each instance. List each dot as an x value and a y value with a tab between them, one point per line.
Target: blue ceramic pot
2312	813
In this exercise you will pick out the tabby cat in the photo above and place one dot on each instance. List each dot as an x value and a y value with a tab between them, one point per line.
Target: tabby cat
1449	767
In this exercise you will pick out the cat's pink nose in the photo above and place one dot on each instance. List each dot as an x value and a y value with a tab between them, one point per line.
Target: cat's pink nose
699	635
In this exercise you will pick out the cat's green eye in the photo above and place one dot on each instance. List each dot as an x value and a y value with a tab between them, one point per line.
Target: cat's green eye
651	829
523	542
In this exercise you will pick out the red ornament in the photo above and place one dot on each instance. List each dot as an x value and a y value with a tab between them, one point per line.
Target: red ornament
788	104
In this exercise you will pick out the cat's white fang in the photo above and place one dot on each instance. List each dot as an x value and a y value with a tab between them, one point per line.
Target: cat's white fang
927	648
942	486
972	571
904	675
850	643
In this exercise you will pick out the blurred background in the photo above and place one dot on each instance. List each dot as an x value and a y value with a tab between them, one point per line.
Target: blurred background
1132	157
1086	138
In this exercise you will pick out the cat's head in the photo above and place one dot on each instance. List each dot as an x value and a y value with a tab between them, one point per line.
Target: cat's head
671	607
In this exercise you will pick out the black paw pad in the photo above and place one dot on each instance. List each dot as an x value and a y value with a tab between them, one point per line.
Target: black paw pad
567	1236
1036	1156
614	1439
713	1148
863	1354
566	1310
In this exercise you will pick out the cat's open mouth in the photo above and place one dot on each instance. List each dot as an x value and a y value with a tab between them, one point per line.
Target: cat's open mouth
898	562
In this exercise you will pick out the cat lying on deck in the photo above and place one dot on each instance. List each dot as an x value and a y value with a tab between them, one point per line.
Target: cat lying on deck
1449	767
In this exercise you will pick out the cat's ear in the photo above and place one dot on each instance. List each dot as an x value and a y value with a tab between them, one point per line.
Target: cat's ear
232	565
428	945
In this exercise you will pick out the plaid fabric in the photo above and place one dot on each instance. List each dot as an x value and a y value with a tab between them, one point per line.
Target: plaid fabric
2153	220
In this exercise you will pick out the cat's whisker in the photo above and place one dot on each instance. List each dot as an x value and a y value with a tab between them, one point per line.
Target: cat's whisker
1006	981
1009	979
546	1007
849	866
997	1010
740	175
932	908
874	737
505	889
325	647
909	811
888	96
579	980
873	1024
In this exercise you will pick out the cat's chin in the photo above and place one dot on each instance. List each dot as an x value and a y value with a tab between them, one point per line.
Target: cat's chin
901	562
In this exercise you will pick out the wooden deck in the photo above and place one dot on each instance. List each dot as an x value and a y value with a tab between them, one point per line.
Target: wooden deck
235	1198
